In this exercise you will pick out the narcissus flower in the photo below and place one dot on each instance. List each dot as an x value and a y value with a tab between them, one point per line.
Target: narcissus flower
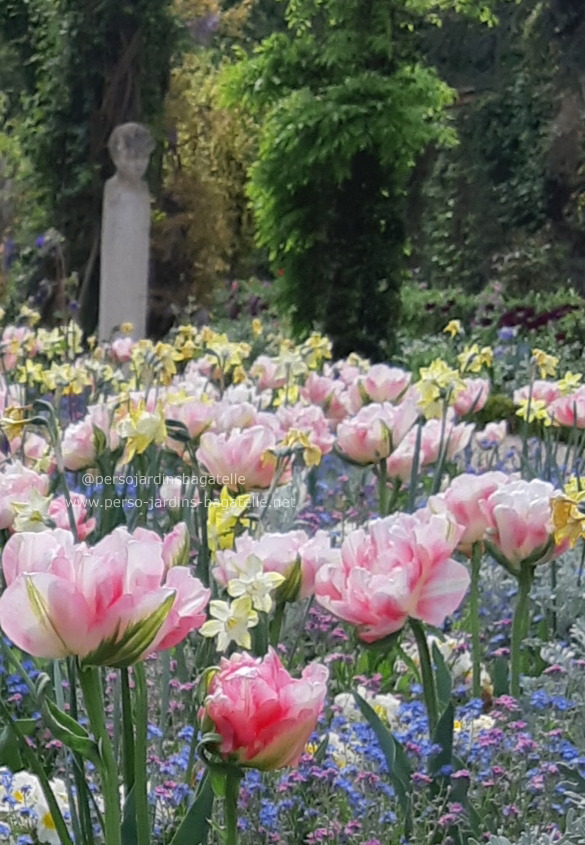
231	622
263	716
141	428
547	364
453	328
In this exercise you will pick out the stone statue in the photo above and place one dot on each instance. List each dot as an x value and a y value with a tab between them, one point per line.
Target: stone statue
125	241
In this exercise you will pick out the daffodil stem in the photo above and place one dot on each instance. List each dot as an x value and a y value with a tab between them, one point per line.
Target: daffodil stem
232	790
474	613
427	674
90	682
127	732
140	786
520	625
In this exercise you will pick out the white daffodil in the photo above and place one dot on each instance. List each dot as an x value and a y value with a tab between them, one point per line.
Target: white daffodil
33	514
252	581
231	622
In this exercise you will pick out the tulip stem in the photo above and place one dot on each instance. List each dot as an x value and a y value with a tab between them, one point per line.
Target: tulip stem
276	624
140	786
427	674
520	624
90	682
232	790
127	732
474	613
383	488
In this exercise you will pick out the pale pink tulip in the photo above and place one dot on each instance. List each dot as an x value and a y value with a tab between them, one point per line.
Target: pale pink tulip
58	513
197	416
493	434
433	439
84	440
381	383
375	431
122	349
279	553
241	453
463	498
265	370
473	397
310	420
519	520
176	546
569	410
229	415
11	346
16	483
402	568
544	391
111	605
329	394
263	716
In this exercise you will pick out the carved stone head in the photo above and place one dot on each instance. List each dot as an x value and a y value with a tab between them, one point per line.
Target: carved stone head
130	147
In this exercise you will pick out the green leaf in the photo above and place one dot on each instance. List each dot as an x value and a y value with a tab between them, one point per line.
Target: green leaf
64	728
443	677
444	739
9	750
217	782
396	759
320	753
128	829
194	829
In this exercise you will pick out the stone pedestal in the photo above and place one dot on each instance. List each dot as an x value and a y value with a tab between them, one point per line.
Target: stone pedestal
125	240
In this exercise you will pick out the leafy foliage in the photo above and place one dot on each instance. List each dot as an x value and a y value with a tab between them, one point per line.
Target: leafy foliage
346	106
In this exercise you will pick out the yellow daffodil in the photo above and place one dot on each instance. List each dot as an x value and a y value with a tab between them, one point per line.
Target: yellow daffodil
31	315
254	582
257	327
472	359
223	518
299	440
13	422
569	383
438	384
547	364
127	328
453	328
568	519
141	428
31	515
287	395
316	349
536	409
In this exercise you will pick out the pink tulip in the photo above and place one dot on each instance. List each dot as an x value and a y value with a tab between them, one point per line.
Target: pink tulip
463	499
279	553
122	349
402	568
263	716
177	546
545	391
433	439
229	415
375	431
82	441
381	383
196	416
310	420
264	370
16	483
36	449
111	605
241	453
519	520
58	513
473	397
11	345
329	394
569	410
493	434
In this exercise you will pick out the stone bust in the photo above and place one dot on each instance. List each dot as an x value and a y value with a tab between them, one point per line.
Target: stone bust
130	147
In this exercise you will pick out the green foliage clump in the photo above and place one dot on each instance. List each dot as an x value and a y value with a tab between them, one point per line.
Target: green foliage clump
346	107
